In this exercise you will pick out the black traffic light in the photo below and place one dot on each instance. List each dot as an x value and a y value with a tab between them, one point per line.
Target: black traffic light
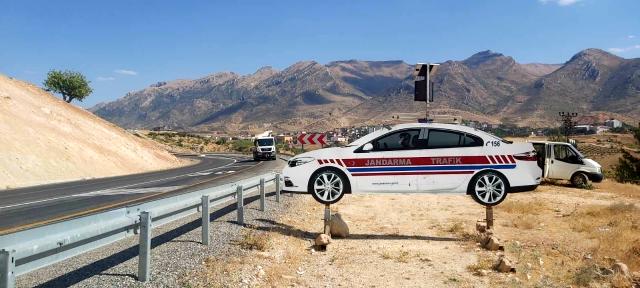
422	73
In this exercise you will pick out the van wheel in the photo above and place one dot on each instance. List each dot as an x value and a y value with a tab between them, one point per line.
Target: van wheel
328	186
488	188
580	180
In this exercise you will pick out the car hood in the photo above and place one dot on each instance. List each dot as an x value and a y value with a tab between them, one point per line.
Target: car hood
591	163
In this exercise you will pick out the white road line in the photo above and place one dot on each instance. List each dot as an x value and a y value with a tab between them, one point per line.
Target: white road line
125	186
109	192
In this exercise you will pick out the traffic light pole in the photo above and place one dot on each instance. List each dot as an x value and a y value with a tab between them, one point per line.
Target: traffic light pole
426	118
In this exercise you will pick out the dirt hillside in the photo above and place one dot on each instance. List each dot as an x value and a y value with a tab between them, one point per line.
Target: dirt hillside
44	140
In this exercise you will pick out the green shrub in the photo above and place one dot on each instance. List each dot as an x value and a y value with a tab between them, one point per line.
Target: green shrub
628	168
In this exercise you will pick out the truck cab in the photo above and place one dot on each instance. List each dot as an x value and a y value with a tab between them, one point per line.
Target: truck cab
559	160
264	148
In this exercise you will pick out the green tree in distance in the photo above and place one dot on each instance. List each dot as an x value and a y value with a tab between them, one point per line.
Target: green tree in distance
70	84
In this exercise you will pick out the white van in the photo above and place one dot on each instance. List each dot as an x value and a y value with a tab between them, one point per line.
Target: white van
559	160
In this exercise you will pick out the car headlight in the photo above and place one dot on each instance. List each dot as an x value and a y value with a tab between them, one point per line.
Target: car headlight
299	161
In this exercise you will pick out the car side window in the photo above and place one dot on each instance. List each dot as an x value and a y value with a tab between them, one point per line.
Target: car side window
471	141
565	154
444	139
400	140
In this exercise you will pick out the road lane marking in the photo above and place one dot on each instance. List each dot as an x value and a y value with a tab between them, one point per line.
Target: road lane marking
98	209
110	192
121	187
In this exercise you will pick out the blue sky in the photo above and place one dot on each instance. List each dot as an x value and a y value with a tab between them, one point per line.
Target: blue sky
124	46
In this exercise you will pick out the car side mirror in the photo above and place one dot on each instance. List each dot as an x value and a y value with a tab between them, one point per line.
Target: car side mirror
367	147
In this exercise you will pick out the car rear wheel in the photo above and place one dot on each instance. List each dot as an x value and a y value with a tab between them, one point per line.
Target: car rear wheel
580	180
328	186
488	188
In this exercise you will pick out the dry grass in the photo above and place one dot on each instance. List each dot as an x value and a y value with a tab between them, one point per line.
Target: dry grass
484	263
621	189
217	272
616	229
526	222
401	256
534	207
456	228
252	240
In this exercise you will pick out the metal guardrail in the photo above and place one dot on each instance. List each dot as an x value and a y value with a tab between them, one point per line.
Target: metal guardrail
28	250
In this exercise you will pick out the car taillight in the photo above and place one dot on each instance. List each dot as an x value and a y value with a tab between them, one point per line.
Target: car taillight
528	156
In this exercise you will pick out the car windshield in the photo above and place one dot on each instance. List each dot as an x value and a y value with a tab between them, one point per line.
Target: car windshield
265	142
366	138
577	152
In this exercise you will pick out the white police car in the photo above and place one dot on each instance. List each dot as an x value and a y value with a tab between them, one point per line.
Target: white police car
421	158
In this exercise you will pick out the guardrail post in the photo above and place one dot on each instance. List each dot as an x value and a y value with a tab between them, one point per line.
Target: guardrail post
262	196
144	254
7	267
205	220
240	200
277	188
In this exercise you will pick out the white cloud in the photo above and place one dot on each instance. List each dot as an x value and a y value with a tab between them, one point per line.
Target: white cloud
631	36
126	72
560	2
624	49
107	78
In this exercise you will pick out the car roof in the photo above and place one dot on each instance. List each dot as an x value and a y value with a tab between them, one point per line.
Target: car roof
457	127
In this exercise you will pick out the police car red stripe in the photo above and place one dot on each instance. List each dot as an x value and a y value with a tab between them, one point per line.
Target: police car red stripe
424	165
411	173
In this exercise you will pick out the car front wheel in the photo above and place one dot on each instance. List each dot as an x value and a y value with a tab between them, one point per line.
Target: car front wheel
488	188
580	180
328	186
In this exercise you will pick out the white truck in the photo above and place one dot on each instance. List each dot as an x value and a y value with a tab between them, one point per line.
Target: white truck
559	160
264	148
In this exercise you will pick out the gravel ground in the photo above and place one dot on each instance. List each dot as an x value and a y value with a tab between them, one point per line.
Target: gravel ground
177	249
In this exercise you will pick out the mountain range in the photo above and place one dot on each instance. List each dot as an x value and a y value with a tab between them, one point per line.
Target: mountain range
487	86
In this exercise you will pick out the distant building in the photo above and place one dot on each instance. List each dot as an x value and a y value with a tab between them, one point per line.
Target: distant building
584	129
613	123
602	129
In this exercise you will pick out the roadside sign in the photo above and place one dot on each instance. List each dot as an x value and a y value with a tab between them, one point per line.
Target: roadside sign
312	138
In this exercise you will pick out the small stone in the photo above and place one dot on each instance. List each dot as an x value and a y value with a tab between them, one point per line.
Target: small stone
493	244
483	272
300	271
529	265
505	266
339	227
481	227
323	240
621	268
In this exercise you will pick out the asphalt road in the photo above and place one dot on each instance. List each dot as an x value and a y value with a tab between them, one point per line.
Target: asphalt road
28	207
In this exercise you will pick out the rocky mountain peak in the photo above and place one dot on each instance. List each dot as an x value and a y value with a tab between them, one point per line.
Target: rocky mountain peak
217	78
594	57
487	56
590	64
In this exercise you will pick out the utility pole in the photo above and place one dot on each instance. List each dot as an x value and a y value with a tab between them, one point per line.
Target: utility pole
567	123
423	85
